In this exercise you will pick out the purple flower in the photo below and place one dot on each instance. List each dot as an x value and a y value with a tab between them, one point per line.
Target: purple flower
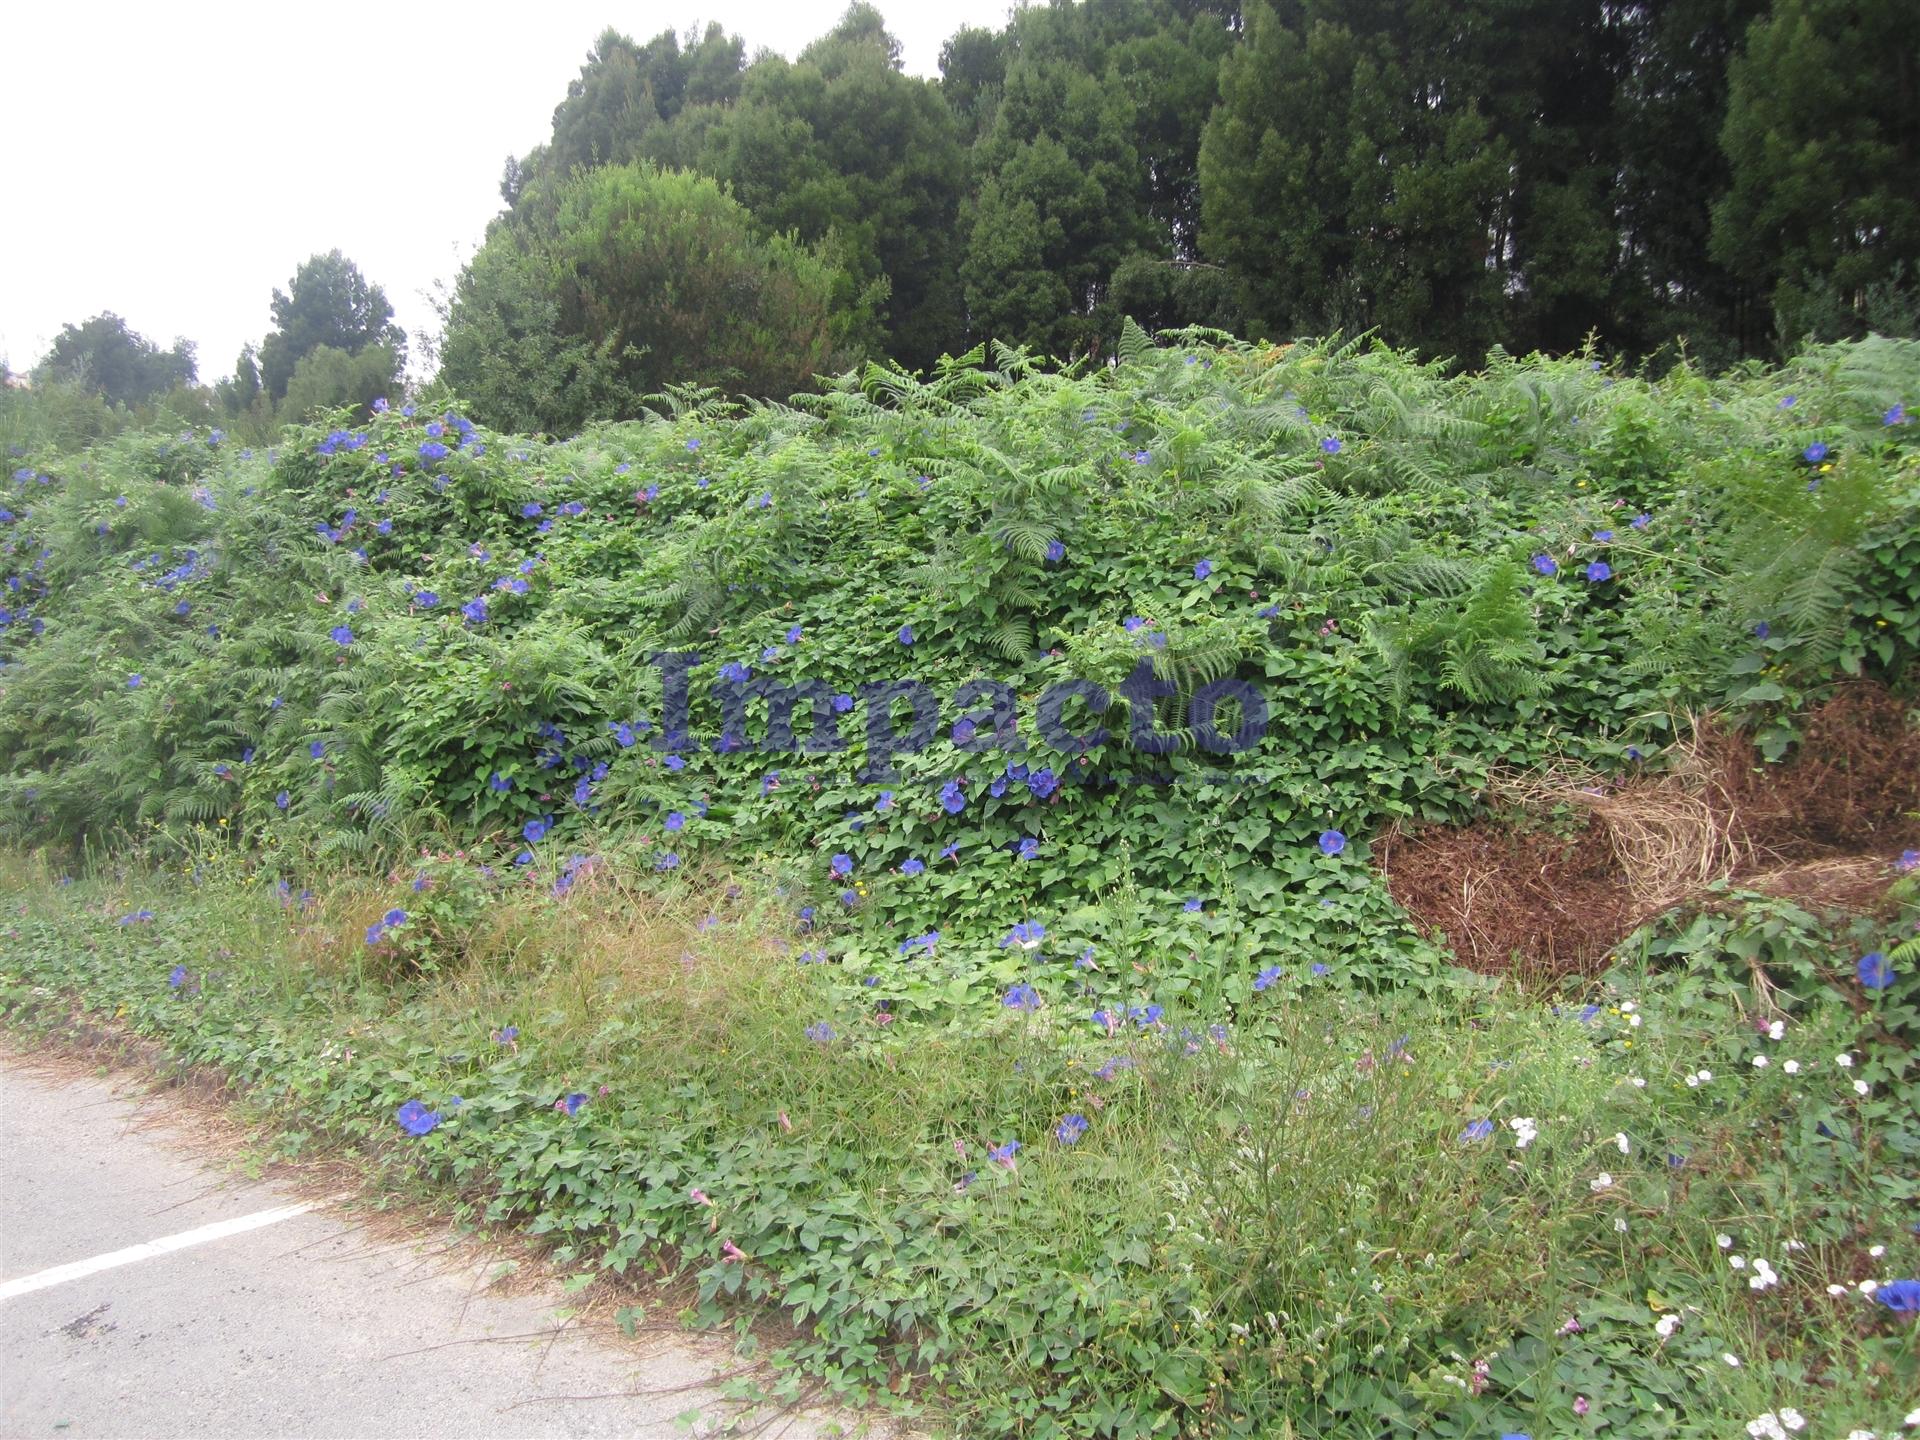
1640	522
1544	564
1908	862
1267	977
912	867
415	1118
906	634
820	1032
136	680
1874	971
535	831
1056	551
1070	1129
841	864
571	1103
1815	453
1332	842
394	917
1029	849
1203	570
177	976
1194	905
1331	445
1021	997
1003	1154
1598	571
951	800
1900	1296
282	800
341	635
1478	1130
1896	416
475	611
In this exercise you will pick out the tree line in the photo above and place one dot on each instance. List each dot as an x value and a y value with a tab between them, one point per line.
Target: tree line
1723	178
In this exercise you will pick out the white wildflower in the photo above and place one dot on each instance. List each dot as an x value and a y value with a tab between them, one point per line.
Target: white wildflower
1792	1067
1602	1181
1876	1251
1620	1139
1760	1062
1725	1242
1777	1030
1666	1325
1860	1087
1844	1061
1792	1418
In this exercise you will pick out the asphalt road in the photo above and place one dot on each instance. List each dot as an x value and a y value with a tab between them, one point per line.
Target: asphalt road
260	1317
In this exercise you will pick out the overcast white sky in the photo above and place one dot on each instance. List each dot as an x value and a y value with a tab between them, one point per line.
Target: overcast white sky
174	163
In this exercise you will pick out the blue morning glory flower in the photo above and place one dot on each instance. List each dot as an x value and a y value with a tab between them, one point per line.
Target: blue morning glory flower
1815	453
572	1103
1028	848
1640	522
415	1118
1478	1130
535	831
1321	968
912	866
1146	1015
674	762
1267	977
1762	630
1603	537
820	1032
1896	416
1132	623
1203	570
842	703
1598	571
1874	971
394	917
1331	445
1544	564
735	672
1027	934
1194	905
316	750
951	852
906	635
341	635
675	820
432	450
136	680
177	976
1021	997
1056	551
1900	1296
425	599
475	611
1003	1154
1332	842
1070	1129
885	802
282	800
951	800
841	864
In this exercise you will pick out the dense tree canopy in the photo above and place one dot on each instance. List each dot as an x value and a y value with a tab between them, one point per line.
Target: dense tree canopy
108	357
622	280
1727	175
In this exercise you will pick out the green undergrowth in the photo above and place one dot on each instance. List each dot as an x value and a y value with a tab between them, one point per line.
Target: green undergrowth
1279	1218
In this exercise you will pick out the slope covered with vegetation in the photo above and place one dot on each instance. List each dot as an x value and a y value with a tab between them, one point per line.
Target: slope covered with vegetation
390	702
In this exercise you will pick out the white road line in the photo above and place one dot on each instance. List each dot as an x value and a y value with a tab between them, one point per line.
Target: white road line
220	1230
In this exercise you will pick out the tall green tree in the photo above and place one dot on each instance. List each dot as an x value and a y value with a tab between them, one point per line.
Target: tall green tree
623	93
1346	198
108	357
628	279
329	302
841	147
1822	137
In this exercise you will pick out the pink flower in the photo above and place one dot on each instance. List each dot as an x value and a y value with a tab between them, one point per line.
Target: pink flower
732	1251
1580	1406
699	1196
785	1124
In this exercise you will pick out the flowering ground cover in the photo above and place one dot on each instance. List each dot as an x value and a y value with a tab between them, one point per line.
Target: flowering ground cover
1055	1050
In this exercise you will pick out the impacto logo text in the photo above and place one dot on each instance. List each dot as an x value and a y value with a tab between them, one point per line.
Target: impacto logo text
903	716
